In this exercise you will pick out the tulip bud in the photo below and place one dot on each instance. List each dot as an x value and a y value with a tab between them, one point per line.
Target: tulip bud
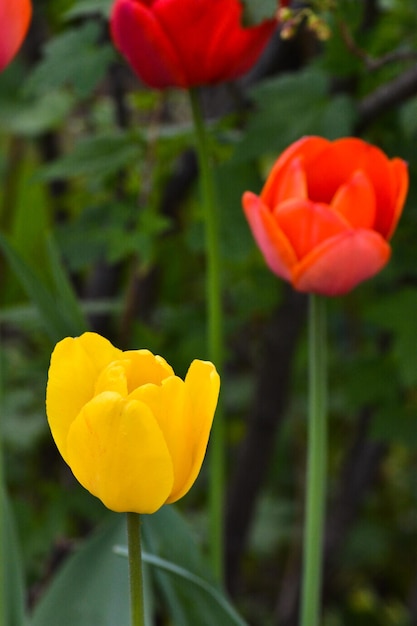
327	212
132	432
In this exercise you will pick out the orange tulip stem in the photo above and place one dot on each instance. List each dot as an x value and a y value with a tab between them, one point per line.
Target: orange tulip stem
135	570
215	335
316	465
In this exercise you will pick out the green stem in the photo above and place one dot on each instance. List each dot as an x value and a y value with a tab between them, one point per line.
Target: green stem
135	570
215	335
316	465
2	505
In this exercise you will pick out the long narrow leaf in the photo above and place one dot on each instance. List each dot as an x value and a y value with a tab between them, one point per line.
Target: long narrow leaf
13	593
55	324
191	595
91	589
68	303
185	574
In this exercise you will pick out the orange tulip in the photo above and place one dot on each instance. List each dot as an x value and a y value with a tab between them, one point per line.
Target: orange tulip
326	213
14	21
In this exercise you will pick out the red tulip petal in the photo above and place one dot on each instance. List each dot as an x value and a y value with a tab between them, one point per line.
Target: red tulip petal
355	201
306	224
277	251
338	265
14	19
233	50
399	173
307	148
208	38
139	36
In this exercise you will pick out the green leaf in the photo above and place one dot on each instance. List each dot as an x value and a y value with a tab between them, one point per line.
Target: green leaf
95	157
55	317
65	294
164	565
394	312
395	423
289	107
236	239
91	588
13	610
338	117
81	72
32	117
177	557
256	11
89	7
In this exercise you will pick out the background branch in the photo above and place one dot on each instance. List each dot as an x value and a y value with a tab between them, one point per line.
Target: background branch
385	97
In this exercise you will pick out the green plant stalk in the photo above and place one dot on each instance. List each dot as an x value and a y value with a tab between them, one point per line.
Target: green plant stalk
137	612
2	505
215	336
316	464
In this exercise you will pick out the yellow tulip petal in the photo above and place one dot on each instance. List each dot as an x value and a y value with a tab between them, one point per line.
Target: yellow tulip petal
202	385
143	367
113	378
75	366
117	451
168	404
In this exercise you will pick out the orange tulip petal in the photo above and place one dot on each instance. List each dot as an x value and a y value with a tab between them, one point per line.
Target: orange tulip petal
341	263
278	253
292	183
355	201
14	19
306	224
307	148
330	169
388	223
335	165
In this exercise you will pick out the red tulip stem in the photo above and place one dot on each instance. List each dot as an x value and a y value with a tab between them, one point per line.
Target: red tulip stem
215	335
316	465
137	613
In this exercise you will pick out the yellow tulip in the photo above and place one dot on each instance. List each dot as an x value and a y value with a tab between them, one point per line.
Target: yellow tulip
132	432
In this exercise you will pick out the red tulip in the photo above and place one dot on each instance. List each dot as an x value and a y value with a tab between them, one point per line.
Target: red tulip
327	212
185	43
14	21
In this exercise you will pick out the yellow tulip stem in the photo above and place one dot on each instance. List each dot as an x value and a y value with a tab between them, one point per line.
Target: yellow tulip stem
135	570
215	335
316	465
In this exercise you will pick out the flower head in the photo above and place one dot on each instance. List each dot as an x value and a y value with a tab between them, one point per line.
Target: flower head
132	432
14	20
326	213
186	43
